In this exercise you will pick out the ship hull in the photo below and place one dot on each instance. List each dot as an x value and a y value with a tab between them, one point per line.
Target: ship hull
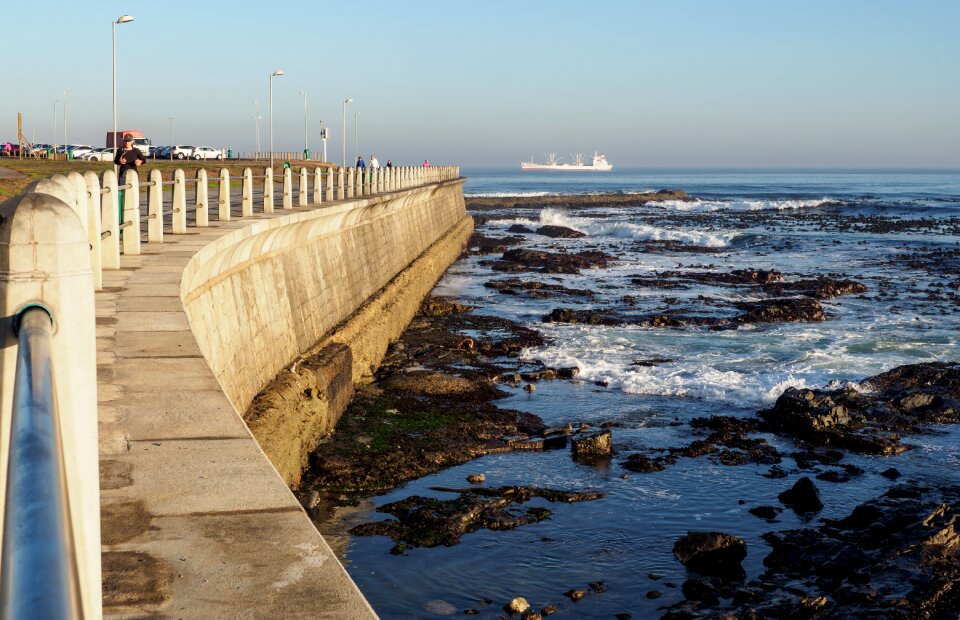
564	167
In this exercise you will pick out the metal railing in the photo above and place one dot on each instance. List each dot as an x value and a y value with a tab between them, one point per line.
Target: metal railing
39	569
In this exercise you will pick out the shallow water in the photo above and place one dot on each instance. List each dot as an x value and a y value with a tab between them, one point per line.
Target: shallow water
796	222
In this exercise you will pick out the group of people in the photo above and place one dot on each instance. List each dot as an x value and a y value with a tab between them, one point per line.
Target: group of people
374	163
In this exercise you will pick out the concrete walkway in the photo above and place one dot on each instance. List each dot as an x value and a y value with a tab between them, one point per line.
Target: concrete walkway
196	522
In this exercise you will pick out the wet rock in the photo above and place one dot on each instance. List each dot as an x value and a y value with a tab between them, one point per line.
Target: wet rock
482	244
529	387
598	586
437	306
891	473
782	310
517	605
442	385
521	259
531	614
654	594
440	608
822	287
711	553
430	522
570	372
519	228
803	497
476	478
516	286
766	512
697	589
560	232
587	317
643	464
548	610
655	361
575	594
592	446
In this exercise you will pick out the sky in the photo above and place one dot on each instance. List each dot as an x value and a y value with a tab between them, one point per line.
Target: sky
652	84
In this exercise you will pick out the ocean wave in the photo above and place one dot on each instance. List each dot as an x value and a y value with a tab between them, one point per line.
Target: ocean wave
742	205
623	230
537	194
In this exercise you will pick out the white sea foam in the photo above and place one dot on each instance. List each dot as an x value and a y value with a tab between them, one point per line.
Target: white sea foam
594	227
509	194
740	205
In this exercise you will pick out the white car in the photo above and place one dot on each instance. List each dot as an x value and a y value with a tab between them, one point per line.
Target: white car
208	152
181	151
99	155
80	150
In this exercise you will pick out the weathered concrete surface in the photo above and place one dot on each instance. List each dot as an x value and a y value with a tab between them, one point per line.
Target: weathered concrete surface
197	522
350	274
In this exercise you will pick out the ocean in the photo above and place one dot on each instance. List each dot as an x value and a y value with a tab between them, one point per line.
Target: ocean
895	231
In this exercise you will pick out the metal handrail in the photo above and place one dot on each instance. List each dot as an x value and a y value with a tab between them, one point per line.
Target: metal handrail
39	574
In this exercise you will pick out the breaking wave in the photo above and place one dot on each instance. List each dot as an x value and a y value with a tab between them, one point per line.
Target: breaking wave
742	205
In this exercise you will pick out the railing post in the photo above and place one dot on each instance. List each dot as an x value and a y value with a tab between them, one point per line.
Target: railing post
203	199
155	208
179	217
268	190
317	185
110	249
358	191
246	202
131	212
287	189
46	263
341	184
302	188
350	186
92	187
328	179
223	209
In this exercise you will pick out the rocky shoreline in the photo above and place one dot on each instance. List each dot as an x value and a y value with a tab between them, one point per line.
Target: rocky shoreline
433	404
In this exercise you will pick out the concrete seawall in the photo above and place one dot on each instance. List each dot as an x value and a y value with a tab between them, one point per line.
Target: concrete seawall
342	282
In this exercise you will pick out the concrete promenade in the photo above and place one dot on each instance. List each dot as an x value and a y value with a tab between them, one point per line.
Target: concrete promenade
196	522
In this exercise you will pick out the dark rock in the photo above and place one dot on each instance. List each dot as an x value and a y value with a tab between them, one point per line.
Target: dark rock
655	361
521	259
568	373
575	594
765	512
711	553
560	232
643	464
592	446
519	228
782	310
696	589
548	610
891	473
654	594
803	497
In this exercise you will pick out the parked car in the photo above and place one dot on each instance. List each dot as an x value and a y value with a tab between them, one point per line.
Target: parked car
79	150
181	151
208	152
99	155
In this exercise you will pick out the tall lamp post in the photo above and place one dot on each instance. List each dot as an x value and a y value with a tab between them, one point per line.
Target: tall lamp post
256	122
345	102
356	132
276	73
306	147
123	19
53	142
65	141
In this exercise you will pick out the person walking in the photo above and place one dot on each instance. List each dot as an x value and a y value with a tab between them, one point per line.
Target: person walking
426	163
128	158
374	162
361	165
389	164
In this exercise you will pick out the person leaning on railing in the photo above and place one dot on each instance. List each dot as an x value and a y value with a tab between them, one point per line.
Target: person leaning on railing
128	158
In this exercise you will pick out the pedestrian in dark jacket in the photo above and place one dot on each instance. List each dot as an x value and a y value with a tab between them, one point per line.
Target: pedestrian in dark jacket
128	158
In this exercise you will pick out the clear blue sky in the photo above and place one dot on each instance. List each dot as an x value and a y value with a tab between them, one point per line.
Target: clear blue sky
818	83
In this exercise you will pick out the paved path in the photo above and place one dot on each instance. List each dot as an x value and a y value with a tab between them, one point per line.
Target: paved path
196	522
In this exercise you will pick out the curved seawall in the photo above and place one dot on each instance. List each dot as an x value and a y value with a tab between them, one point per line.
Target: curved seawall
334	285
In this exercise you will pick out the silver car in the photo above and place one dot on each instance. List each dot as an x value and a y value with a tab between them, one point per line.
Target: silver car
99	155
208	152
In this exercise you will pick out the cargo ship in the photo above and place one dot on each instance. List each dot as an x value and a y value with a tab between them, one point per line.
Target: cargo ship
553	163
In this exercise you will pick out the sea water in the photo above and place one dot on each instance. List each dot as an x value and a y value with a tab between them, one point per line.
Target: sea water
866	225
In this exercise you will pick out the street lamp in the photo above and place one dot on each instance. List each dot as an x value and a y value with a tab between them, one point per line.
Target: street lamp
53	142
256	121
123	19
356	131
276	73
345	102
65	141
306	147
171	137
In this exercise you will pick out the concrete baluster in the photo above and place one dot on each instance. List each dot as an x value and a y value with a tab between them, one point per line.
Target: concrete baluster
328	179
130	234
90	218
246	201
94	217
317	185
179	202
350	186
110	248
203	199
287	189
303	188
223	209
358	191
268	190
45	262
341	185
155	208
375	182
